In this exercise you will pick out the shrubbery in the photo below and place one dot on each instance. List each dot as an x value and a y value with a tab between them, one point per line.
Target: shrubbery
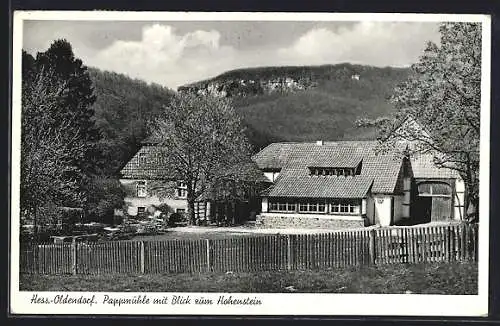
176	219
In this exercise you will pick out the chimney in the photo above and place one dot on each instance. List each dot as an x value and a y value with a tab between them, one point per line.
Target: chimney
319	142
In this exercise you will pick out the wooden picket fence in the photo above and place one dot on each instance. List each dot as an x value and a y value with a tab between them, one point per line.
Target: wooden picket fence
395	245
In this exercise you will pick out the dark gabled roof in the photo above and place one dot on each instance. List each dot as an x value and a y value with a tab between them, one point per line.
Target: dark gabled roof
382	168
294	183
147	164
333	158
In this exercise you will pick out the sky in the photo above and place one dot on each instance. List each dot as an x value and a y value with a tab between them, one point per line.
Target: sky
174	53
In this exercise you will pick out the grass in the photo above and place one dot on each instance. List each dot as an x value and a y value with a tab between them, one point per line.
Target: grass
176	235
452	278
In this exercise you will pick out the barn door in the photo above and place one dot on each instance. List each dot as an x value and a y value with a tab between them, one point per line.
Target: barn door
441	209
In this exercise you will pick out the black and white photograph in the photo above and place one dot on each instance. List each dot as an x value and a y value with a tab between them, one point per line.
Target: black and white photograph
250	164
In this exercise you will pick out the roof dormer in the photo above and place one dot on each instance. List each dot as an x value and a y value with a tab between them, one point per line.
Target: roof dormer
338	171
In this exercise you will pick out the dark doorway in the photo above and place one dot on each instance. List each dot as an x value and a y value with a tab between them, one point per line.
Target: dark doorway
423	209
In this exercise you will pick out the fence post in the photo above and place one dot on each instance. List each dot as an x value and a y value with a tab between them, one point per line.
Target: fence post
74	247
209	263
463	242
476	242
289	252
36	258
143	261
447	241
372	246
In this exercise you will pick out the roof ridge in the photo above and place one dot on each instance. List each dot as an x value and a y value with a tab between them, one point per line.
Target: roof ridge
313	142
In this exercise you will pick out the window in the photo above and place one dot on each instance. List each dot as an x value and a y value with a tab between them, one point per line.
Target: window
142	158
434	188
281	206
141	189
141	210
182	190
313	207
332	171
180	210
342	206
304	206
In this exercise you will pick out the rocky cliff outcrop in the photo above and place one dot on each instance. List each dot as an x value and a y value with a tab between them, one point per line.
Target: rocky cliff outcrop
249	87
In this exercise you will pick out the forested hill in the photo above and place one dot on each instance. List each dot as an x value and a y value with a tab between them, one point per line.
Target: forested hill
123	108
306	103
275	103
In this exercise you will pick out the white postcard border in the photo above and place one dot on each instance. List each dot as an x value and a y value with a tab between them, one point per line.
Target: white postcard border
272	304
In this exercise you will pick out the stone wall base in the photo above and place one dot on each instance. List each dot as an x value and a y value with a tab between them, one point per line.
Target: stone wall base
284	221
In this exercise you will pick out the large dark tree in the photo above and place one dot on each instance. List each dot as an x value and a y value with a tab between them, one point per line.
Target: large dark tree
48	144
75	102
59	136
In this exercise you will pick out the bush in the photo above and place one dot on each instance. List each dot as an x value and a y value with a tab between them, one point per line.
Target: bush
175	219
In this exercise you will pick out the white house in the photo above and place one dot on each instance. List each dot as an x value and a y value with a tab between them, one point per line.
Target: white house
138	176
350	184
316	184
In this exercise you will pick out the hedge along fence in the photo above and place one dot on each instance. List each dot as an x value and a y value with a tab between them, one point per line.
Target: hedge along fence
251	254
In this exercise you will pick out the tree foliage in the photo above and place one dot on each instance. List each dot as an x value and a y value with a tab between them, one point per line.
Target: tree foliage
200	137
105	194
123	109
61	161
48	144
75	101
443	95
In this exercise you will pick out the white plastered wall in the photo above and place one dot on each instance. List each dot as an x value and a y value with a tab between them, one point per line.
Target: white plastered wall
383	209
370	210
265	204
459	200
133	202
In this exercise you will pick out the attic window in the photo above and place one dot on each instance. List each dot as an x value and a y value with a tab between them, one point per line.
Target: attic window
332	171
141	189
142	158
181	190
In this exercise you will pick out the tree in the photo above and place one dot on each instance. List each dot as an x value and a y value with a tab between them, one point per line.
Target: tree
58	153
443	95
122	108
47	173
75	102
106	194
199	137
241	183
